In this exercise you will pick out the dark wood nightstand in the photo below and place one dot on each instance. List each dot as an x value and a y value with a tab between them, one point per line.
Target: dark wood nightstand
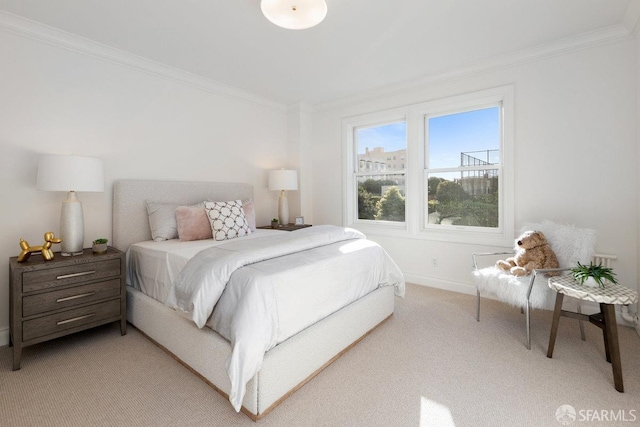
50	299
288	227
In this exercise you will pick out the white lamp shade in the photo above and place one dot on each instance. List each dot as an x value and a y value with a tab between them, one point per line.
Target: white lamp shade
69	173
294	14
283	179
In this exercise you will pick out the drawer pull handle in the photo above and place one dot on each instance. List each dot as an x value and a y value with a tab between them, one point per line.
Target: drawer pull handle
66	276
75	319
88	294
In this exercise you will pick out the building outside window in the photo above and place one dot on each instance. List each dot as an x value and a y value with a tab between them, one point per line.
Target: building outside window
380	180
463	167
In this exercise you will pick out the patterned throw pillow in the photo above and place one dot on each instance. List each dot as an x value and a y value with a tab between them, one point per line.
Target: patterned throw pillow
227	219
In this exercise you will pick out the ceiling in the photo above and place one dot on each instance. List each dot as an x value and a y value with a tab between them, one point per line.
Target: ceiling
361	45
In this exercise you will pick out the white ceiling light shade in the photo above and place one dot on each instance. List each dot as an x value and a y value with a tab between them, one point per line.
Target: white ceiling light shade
294	14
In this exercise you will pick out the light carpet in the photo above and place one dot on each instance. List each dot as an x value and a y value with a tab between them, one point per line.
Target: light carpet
431	364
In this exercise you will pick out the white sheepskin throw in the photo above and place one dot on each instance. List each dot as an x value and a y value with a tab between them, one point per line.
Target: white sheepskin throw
570	245
512	289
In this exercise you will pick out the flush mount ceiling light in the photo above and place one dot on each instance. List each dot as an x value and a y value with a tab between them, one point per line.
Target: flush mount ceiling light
294	14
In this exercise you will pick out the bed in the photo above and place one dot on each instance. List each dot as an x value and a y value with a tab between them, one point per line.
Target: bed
288	364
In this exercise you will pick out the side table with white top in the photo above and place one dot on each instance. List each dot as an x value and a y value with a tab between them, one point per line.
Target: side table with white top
606	320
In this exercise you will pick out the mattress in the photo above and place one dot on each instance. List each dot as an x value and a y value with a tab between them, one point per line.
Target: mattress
153	266
309	285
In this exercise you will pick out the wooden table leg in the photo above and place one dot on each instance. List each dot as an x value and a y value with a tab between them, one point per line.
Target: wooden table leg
611	341
604	334
554	326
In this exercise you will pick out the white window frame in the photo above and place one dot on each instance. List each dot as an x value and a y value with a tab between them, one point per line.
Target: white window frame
352	173
502	235
415	170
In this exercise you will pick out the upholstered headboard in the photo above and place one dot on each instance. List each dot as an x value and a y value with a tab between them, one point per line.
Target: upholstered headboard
130	219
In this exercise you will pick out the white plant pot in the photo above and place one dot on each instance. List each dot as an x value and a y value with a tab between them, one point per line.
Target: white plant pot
99	248
590	282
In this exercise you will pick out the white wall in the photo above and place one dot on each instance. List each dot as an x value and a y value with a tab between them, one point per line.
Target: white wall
143	125
575	147
300	131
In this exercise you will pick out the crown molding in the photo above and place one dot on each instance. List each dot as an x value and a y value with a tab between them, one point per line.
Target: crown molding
43	33
586	40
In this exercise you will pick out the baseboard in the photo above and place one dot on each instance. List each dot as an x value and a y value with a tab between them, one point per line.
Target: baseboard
447	285
4	337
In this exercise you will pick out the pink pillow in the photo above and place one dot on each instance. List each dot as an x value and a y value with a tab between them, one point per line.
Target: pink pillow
249	214
193	223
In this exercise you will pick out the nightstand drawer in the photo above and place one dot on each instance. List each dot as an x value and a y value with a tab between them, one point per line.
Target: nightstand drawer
78	317
48	301
59	276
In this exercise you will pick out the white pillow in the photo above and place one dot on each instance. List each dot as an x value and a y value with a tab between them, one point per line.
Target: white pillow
162	220
227	219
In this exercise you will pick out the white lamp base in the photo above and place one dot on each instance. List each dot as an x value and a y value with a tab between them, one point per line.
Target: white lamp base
283	208
71	226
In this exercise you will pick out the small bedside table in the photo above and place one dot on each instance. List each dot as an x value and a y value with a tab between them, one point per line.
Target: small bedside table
606	320
51	299
288	227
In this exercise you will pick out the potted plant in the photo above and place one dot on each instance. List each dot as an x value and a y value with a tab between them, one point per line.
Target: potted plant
274	223
593	275
100	246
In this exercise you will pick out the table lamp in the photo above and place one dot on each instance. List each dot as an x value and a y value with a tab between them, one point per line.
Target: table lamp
70	174
282	180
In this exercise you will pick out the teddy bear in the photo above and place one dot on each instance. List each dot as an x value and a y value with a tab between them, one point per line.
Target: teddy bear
532	252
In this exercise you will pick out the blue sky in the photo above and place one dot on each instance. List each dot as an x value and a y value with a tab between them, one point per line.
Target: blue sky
448	136
462	132
392	137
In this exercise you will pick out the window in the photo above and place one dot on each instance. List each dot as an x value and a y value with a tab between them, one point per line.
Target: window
463	168
375	185
380	183
440	170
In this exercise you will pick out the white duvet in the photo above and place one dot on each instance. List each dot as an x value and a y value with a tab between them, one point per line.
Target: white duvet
266	290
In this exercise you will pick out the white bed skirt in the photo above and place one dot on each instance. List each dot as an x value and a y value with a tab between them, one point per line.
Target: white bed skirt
285	368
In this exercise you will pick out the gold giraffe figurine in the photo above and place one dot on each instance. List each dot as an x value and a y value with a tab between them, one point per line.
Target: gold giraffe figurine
45	249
